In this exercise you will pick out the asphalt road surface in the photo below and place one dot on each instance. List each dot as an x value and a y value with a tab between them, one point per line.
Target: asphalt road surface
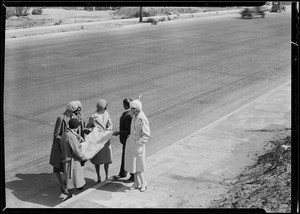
190	73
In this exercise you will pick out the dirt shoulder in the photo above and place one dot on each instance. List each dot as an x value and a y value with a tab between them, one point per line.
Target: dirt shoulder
58	20
267	183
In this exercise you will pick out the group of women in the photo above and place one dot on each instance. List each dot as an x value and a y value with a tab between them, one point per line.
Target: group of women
70	130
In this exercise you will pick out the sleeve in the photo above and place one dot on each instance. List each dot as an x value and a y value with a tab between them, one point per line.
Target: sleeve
91	122
57	128
145	132
109	124
75	147
127	122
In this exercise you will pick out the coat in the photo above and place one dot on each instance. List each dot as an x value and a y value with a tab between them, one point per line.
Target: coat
71	158
102	121
61	125
135	151
125	123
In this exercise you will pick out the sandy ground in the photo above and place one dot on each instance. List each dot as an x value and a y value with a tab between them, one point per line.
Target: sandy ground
56	20
50	16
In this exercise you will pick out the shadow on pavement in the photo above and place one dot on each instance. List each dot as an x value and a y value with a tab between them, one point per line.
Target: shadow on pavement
114	186
42	189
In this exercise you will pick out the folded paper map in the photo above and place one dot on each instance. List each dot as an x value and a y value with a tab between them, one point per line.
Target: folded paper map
94	142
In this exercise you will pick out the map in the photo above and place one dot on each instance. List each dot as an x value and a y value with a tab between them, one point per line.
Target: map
94	142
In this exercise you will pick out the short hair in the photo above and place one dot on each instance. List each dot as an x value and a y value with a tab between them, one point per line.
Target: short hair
73	123
127	101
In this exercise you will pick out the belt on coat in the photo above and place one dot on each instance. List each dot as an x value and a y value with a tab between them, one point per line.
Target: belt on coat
70	166
134	137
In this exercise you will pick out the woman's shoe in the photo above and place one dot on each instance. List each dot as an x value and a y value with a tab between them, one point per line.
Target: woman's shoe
68	197
134	186
64	191
144	187
99	180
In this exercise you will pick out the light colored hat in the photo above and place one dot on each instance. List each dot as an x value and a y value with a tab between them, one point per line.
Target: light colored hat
72	106
102	103
136	104
79	103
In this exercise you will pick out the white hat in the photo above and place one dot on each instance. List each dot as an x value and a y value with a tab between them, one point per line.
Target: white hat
72	106
136	104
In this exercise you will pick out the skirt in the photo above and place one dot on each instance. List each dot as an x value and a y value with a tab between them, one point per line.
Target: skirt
104	156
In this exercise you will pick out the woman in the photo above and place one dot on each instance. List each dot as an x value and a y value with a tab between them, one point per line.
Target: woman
61	125
135	150
101	119
71	158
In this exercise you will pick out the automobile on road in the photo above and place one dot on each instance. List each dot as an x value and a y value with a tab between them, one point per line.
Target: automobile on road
252	12
277	7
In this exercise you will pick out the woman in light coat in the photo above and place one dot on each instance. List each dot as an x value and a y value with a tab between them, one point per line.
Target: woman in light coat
135	150
101	119
61	125
72	157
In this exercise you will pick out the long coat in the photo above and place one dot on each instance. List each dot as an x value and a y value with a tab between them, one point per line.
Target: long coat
125	123
71	157
103	122
135	150
61	125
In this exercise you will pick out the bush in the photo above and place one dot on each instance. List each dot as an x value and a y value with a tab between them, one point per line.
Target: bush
10	11
21	11
102	8
152	21
58	23
88	8
37	11
137	14
162	19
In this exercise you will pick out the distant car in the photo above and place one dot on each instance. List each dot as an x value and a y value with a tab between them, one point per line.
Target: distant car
252	12
277	7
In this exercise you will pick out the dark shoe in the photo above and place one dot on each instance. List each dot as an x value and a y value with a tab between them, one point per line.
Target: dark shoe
64	191
119	176
98	180
130	180
81	188
68	197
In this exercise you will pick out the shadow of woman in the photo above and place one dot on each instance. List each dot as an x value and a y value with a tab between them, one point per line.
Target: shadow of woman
113	186
42	189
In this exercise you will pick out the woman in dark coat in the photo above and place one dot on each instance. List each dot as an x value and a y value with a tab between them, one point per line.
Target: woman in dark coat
61	125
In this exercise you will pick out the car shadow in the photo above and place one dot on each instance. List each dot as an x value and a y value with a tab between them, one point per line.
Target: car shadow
42	189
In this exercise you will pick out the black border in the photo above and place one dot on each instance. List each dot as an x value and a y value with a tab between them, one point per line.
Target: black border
191	3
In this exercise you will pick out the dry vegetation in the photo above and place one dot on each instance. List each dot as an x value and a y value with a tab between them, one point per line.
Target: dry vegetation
67	15
265	185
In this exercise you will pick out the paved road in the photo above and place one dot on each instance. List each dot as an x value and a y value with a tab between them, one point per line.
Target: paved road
190	74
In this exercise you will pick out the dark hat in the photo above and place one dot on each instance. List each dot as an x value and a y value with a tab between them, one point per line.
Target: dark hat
73	123
127	101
